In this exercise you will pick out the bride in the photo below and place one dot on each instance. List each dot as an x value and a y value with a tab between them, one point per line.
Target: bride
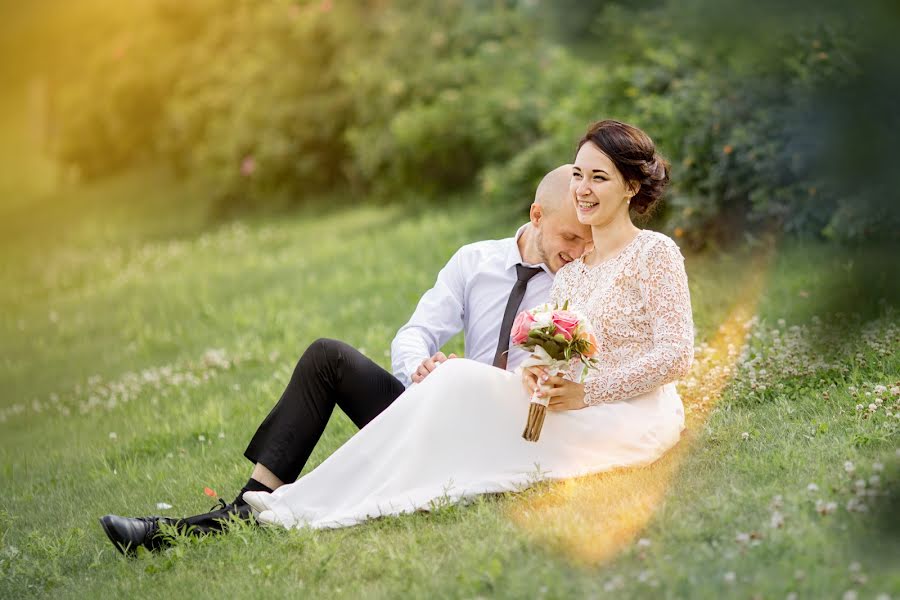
458	433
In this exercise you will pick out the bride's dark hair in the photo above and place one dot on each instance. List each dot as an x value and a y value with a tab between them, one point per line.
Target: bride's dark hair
635	155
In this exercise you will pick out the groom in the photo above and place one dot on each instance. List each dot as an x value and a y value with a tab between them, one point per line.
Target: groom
479	291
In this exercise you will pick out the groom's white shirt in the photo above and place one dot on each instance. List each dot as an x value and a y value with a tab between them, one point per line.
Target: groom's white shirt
470	295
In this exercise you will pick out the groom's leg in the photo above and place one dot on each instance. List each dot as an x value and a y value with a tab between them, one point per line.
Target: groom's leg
329	373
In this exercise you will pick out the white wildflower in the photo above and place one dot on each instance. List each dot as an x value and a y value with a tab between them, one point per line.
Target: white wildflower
745	435
812	487
855	504
215	357
825	508
777	520
729	577
615	583
848	466
113	435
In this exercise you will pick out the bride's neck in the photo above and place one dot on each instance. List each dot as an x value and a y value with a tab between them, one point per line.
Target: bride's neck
609	239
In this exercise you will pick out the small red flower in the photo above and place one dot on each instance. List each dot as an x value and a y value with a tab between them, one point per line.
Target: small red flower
248	166
210	492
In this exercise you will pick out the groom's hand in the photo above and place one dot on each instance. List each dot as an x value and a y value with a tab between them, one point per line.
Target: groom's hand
428	365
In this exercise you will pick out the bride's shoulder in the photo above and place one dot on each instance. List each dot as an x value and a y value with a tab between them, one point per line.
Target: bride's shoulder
656	242
658	251
569	270
652	238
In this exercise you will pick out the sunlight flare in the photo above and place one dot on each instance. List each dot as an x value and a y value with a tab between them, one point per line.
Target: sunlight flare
591	519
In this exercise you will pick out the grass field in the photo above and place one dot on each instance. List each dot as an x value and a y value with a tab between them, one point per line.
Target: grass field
141	345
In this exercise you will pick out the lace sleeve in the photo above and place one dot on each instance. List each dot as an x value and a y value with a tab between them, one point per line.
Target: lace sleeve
664	288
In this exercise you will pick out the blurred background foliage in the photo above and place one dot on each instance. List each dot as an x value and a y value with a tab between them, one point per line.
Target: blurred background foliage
771	116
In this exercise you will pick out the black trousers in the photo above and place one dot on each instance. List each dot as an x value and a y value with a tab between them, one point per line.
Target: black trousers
329	373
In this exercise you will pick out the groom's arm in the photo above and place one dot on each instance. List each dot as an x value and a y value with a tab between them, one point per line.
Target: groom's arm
438	317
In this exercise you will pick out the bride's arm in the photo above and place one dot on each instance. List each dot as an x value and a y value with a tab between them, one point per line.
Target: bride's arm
437	318
664	287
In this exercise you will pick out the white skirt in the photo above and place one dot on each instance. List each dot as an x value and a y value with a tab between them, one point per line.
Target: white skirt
459	434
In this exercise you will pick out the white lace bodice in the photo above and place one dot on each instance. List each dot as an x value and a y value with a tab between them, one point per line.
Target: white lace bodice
639	305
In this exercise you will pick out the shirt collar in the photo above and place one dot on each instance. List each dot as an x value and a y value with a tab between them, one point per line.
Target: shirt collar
514	257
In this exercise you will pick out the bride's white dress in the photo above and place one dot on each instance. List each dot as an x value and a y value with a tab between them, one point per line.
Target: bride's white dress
459	432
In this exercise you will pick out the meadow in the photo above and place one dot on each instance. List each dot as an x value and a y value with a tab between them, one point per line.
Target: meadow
141	344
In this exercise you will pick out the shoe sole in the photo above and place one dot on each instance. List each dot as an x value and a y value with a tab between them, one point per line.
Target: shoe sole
124	550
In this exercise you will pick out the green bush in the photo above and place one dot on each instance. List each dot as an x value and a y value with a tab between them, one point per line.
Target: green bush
260	109
279	101
435	104
739	136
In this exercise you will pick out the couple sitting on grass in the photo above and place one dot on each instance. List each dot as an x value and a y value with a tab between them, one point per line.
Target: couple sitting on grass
451	428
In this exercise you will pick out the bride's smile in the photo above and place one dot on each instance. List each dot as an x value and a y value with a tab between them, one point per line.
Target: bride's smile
600	193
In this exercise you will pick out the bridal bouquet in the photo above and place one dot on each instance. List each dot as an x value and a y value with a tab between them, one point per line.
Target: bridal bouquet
555	337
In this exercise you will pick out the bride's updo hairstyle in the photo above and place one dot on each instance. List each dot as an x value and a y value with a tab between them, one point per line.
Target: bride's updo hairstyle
635	155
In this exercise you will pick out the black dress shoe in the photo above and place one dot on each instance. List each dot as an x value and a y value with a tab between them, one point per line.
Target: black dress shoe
129	533
214	520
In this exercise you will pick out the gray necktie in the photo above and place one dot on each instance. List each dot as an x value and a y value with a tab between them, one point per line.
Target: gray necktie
523	274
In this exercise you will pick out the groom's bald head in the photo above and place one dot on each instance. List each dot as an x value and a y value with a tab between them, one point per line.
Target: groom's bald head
553	190
557	236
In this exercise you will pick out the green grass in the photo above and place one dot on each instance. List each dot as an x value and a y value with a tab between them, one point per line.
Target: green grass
124	312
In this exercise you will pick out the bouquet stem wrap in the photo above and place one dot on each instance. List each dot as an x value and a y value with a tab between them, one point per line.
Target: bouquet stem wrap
537	408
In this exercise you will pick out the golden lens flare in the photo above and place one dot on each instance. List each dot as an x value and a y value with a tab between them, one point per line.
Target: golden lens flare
589	520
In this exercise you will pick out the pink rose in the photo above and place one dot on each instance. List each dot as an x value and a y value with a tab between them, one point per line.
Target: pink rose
521	327
248	166
565	322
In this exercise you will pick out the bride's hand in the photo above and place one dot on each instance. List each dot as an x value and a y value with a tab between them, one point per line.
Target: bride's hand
563	394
